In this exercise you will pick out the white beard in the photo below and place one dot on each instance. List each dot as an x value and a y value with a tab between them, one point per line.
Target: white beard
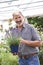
17	24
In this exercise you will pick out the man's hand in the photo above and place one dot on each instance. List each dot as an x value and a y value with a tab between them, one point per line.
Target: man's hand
35	43
22	40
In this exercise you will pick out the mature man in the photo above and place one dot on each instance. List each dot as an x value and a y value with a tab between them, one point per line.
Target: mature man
29	43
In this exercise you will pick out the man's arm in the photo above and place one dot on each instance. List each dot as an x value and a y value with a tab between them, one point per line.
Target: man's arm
32	43
36	40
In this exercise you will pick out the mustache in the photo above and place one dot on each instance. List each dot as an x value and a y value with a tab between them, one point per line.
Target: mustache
18	21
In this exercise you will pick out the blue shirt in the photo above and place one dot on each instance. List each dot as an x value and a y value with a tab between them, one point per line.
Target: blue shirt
28	32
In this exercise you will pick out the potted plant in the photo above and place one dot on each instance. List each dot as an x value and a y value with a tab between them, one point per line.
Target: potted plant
13	42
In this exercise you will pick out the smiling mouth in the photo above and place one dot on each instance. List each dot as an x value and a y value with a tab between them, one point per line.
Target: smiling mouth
18	21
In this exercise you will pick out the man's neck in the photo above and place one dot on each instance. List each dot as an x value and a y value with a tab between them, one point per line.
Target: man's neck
19	27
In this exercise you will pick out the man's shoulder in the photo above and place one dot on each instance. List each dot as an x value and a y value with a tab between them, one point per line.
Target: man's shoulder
29	26
11	29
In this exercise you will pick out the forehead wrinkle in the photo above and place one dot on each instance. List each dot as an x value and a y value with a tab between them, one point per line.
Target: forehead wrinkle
17	13
16	16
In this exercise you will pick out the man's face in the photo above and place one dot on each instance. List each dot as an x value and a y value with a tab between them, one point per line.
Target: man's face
18	19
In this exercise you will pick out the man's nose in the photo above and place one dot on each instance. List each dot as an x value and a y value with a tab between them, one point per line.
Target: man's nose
18	19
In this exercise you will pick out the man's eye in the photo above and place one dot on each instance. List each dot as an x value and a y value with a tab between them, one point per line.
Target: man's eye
19	17
15	18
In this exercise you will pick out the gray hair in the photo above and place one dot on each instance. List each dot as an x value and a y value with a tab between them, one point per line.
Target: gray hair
19	12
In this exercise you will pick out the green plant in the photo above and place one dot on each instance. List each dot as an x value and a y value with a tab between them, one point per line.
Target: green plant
41	57
8	59
12	40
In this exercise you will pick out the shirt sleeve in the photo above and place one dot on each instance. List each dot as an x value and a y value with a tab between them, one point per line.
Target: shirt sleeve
35	34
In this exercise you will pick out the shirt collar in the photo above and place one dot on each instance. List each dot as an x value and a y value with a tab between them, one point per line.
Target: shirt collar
23	26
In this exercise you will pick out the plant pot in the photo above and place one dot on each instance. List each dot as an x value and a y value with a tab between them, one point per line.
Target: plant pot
14	48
